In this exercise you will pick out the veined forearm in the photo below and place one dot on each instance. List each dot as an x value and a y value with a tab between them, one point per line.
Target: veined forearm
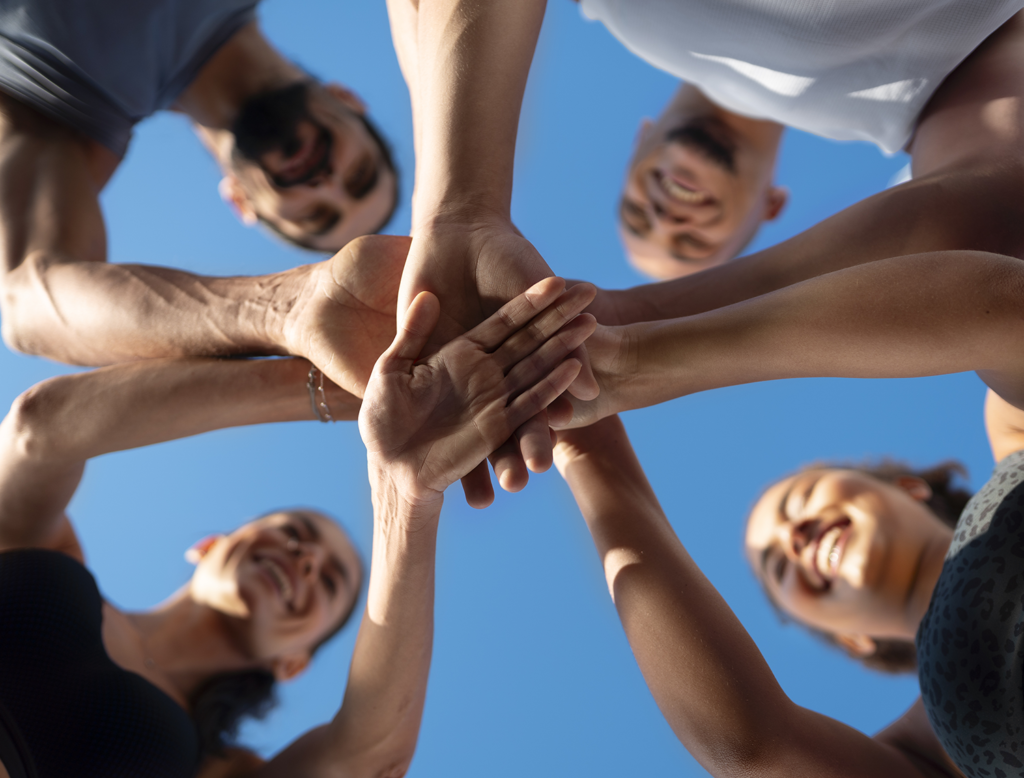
95	313
919	315
473	61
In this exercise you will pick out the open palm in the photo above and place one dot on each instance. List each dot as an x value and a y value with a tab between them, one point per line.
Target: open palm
429	423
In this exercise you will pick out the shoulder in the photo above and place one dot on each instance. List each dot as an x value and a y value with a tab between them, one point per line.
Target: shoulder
911	734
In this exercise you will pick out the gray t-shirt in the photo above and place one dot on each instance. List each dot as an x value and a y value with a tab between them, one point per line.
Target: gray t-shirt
100	66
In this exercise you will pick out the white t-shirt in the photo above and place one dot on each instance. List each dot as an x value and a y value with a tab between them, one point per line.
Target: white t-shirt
843	69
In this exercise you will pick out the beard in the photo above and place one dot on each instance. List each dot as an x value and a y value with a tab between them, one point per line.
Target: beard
709	137
269	121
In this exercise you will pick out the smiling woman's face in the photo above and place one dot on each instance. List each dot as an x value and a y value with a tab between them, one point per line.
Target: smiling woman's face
284	581
840	550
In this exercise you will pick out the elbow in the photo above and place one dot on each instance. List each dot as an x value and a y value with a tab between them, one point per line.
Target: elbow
29	425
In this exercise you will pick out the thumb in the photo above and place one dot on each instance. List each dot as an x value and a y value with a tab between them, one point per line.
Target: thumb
413	332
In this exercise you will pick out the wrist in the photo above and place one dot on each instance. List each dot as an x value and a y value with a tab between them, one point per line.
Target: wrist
467	211
398	500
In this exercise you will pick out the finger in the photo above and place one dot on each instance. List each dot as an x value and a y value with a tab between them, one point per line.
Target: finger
561	411
509	467
585	387
516	313
414	330
542	361
535	442
545	324
542	393
477	487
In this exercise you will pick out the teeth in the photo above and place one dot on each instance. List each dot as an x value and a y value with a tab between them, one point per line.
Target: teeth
678	192
279	576
828	551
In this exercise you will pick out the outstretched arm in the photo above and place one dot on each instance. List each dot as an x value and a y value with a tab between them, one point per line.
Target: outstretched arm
426	422
968	163
707	676
56	426
919	315
61	299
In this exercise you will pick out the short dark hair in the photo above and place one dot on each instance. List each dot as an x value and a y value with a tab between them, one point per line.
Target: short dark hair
386	155
947	502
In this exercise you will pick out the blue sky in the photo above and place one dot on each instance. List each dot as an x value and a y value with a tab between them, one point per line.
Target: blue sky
532	674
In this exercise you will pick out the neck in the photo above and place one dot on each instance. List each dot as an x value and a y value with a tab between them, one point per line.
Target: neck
243	67
188	642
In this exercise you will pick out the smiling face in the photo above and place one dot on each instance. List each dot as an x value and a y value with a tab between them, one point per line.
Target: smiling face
284	581
846	553
695	194
308	165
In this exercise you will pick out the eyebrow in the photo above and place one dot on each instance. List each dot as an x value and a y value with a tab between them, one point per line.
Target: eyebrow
339	567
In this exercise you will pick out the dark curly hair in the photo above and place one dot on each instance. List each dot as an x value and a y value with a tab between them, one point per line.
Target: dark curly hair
947	502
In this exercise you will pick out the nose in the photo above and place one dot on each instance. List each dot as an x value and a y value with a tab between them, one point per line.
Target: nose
793	537
309	557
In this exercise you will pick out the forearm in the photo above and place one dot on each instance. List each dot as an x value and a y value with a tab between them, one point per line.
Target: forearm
970	209
704	671
95	313
76	417
378	724
473	61
903	317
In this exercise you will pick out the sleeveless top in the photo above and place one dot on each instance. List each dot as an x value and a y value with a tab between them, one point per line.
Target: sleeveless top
970	645
66	709
100	66
843	69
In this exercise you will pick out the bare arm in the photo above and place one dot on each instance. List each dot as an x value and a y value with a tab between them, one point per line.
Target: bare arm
57	425
919	315
426	422
707	676
60	298
968	162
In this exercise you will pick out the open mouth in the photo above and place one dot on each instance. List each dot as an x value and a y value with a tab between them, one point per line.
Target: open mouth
310	161
828	549
678	191
280	579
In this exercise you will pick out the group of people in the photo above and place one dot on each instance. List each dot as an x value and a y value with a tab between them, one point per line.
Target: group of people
457	345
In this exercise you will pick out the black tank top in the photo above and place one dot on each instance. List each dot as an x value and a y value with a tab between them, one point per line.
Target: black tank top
66	709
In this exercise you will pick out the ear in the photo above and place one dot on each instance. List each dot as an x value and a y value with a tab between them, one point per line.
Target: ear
289	666
777	198
350	99
232	193
858	645
201	548
915	487
643	132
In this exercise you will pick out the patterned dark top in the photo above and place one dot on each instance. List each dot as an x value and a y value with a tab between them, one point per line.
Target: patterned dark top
971	642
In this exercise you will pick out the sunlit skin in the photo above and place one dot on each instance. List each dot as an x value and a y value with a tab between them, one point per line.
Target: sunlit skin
351	193
682	211
284	581
848	554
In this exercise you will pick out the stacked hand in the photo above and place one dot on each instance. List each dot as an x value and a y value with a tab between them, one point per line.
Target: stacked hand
429	422
474	263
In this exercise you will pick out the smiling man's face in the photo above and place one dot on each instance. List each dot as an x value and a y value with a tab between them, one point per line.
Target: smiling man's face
308	165
695	195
